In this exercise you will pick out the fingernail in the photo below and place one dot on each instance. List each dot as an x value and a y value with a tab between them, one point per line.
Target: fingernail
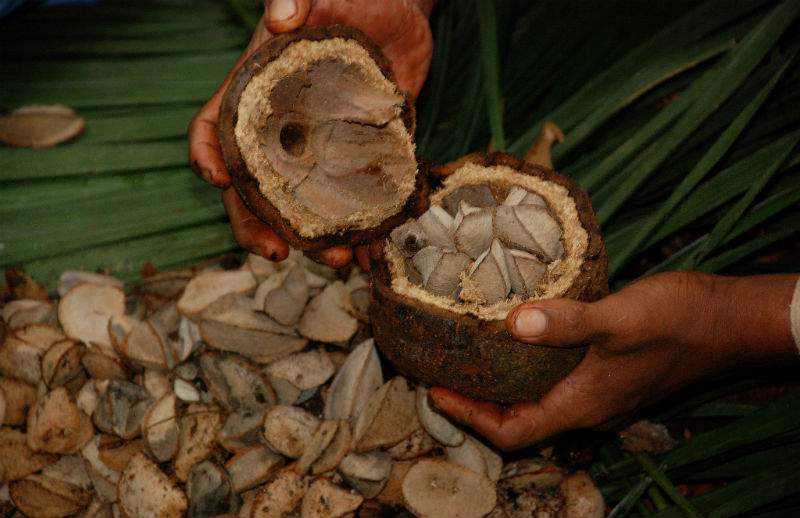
530	323
280	10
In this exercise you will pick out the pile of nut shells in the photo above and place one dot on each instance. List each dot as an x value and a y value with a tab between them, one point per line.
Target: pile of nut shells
254	391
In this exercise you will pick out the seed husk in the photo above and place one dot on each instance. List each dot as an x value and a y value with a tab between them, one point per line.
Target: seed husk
199	427
304	370
61	363
389	416
533	472
24	312
474	231
160	428
488	280
208	287
185	391
57	425
445	275
143	477
438	426
417	444
366	472
519	196
231	325
279	497
525	271
392	492
284	295
104	478
288	429
329	316
101	366
70	469
43	497
155	382
116	453
209	491
85	310
409	237
121	408
336	450
437	225
435	488
474	455
322	438
17	460
22	350
474	195
242	428
19	396
40	125
355	382
324	499
252	466
235	382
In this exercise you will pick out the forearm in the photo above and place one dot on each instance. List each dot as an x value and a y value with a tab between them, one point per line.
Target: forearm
755	324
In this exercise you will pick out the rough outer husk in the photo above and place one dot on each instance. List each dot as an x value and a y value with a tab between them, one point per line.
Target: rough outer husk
478	358
246	183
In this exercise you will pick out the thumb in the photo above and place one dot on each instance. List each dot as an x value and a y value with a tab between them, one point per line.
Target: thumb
556	322
286	15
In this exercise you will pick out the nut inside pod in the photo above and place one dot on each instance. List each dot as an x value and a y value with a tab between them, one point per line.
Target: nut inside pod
318	139
498	232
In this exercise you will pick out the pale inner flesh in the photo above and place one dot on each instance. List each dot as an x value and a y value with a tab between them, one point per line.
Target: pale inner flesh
327	142
487	243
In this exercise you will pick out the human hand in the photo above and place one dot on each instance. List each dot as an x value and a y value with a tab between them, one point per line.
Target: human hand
399	27
645	341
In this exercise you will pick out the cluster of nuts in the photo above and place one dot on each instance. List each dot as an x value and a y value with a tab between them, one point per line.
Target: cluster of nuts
473	249
254	391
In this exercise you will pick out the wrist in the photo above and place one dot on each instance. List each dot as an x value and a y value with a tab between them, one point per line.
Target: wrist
754	326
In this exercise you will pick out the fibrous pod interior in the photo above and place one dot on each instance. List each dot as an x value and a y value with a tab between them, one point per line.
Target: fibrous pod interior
492	238
316	122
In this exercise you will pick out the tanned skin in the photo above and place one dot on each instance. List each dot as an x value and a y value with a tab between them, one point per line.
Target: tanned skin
399	27
645	341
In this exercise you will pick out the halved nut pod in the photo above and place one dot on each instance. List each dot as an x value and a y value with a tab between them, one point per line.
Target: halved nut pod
499	232
319	139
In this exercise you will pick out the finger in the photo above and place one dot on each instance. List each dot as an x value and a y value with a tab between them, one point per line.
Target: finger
514	427
485	418
556	322
508	429
362	256
335	257
286	15
250	232
205	153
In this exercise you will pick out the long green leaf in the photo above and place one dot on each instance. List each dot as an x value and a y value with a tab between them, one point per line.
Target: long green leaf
777	418
70	160
724	225
487	22
776	233
744	495
712	90
649	75
709	160
691	27
660	478
710	195
125	259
